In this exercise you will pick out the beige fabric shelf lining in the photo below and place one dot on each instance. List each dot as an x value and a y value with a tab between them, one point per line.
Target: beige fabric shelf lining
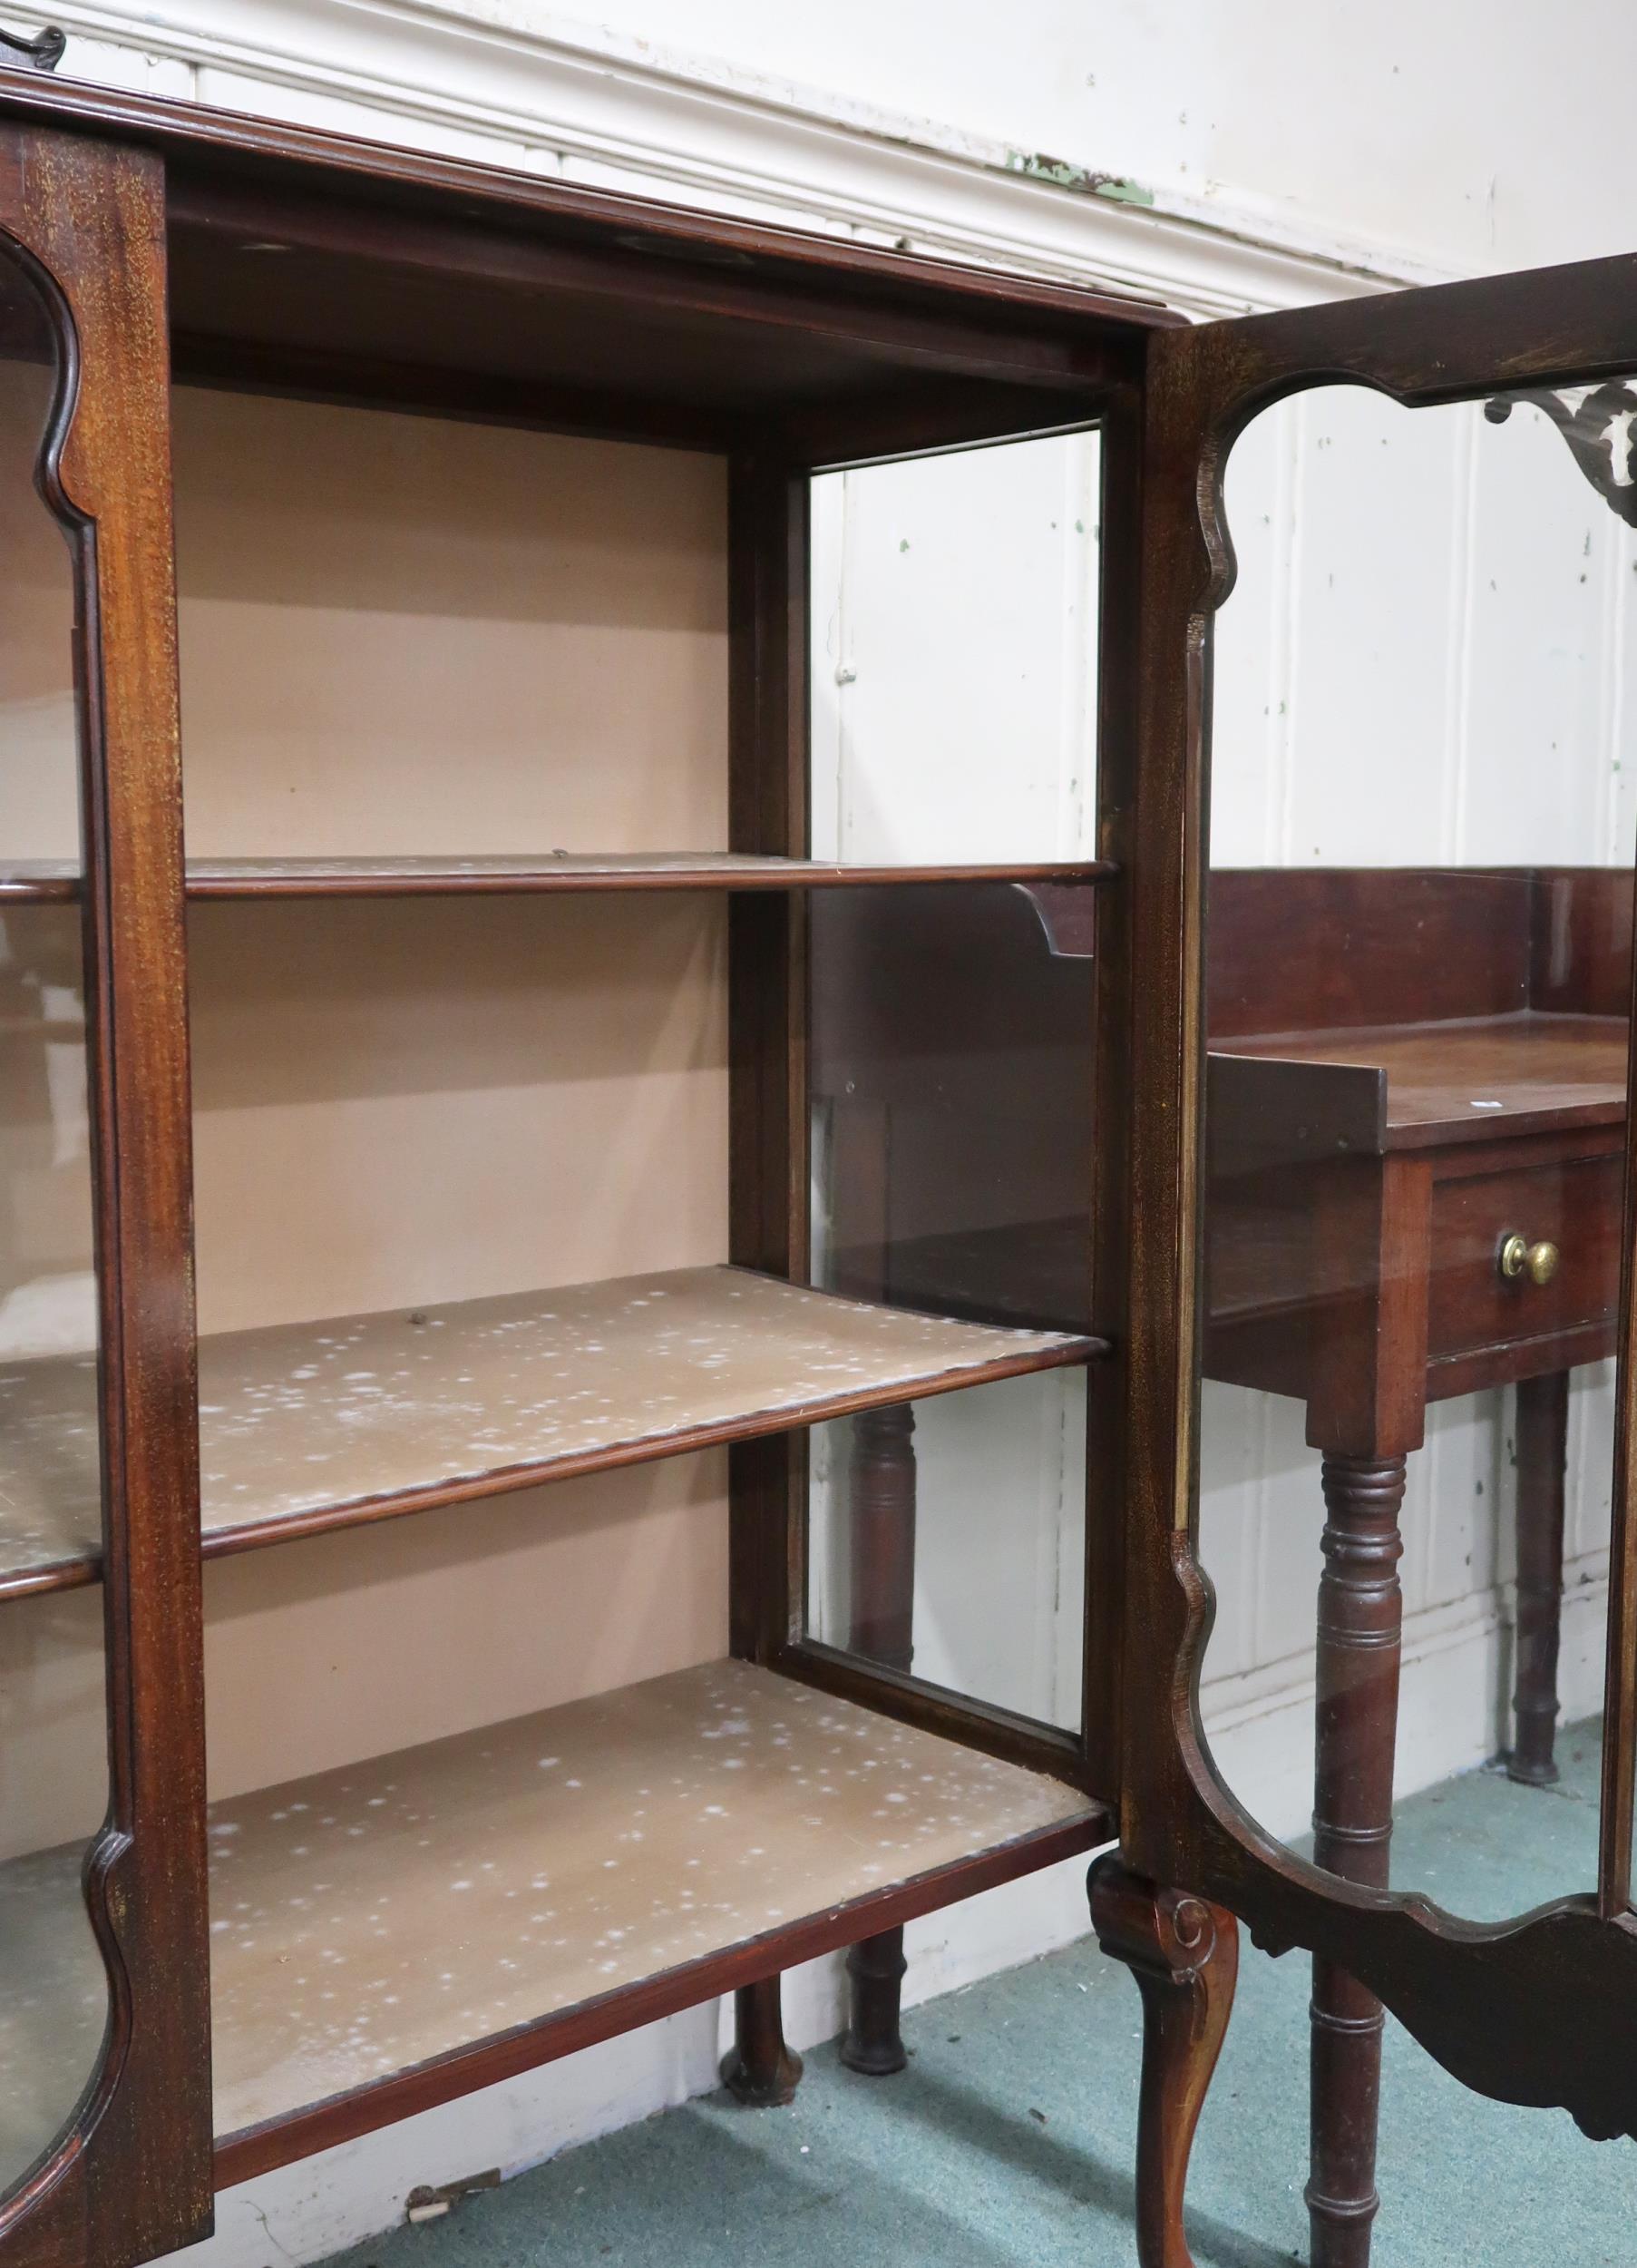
314	1425
372	1920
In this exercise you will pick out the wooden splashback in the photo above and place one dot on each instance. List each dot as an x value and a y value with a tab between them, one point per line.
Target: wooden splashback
1336	948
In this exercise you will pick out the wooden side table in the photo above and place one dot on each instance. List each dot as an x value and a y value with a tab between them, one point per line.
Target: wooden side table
1401	1208
1408	1068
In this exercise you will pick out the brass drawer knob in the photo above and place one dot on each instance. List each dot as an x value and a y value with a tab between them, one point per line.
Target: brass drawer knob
1519	1258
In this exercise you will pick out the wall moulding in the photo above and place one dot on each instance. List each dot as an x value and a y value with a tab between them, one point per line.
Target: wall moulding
463	74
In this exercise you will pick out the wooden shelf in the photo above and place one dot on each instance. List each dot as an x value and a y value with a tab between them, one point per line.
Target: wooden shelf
316	1425
39	882
393	1934
42	882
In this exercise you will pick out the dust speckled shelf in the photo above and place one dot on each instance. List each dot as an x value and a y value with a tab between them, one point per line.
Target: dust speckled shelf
316	1425
500	1897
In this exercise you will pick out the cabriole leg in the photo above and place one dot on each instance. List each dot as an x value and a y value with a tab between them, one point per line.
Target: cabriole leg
1184	1955
759	2070
1360	1619
1543	1440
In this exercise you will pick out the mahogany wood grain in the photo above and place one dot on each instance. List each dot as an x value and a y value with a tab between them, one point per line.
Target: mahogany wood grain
565	870
723	322
1543	1440
1369	1285
209	149
393	262
881	1528
1539	2011
950	414
767	728
1580	950
47	883
1617	1808
881	1564
1117	1001
1360	1611
760	2071
132	2178
1184	1953
1574	1205
1471	1080
619	409
1323	951
1372	1229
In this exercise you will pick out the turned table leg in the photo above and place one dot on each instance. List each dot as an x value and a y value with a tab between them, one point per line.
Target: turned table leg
1542	1440
1184	1955
759	2070
883	1563
1359	1617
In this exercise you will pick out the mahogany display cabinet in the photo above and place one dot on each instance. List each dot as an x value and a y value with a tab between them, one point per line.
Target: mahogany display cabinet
208	1984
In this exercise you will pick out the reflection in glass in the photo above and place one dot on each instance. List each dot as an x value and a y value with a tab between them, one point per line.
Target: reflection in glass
950	1081
954	656
983	1593
954	716
52	1710
1419	974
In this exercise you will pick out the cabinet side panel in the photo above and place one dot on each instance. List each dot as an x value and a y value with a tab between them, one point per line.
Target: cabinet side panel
134	2177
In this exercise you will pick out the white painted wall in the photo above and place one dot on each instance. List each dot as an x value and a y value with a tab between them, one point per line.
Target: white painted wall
1223	159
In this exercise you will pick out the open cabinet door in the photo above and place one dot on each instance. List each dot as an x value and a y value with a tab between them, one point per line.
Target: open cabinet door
105	2139
1380	1179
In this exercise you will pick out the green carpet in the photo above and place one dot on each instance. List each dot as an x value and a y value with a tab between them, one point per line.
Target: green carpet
1009	2142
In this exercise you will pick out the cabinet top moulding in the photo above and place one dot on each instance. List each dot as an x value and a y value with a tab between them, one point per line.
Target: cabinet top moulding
319	265
43	881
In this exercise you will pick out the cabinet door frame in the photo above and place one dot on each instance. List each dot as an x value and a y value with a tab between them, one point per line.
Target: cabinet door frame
1540	2010
130	2177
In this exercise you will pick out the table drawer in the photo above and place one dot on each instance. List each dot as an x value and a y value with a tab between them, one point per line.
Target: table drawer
1573	1204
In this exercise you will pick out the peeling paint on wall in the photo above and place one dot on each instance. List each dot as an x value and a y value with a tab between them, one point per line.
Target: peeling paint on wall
1117	187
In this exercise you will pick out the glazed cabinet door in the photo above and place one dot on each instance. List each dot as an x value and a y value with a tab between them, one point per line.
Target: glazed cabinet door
105	2029
1382	1606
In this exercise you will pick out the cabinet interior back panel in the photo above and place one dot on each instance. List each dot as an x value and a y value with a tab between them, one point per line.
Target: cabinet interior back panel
407	636
404	634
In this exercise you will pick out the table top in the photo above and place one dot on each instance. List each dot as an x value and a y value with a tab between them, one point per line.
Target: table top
1474	1078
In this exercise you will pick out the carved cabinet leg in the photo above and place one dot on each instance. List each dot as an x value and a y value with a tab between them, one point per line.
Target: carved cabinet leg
1543	1438
882	1503
1184	1955
759	2070
1359	1619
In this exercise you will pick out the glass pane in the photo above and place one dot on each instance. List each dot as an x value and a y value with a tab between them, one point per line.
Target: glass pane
954	720
954	656
53	1791
950	1048
951	1088
1418	981
949	1537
